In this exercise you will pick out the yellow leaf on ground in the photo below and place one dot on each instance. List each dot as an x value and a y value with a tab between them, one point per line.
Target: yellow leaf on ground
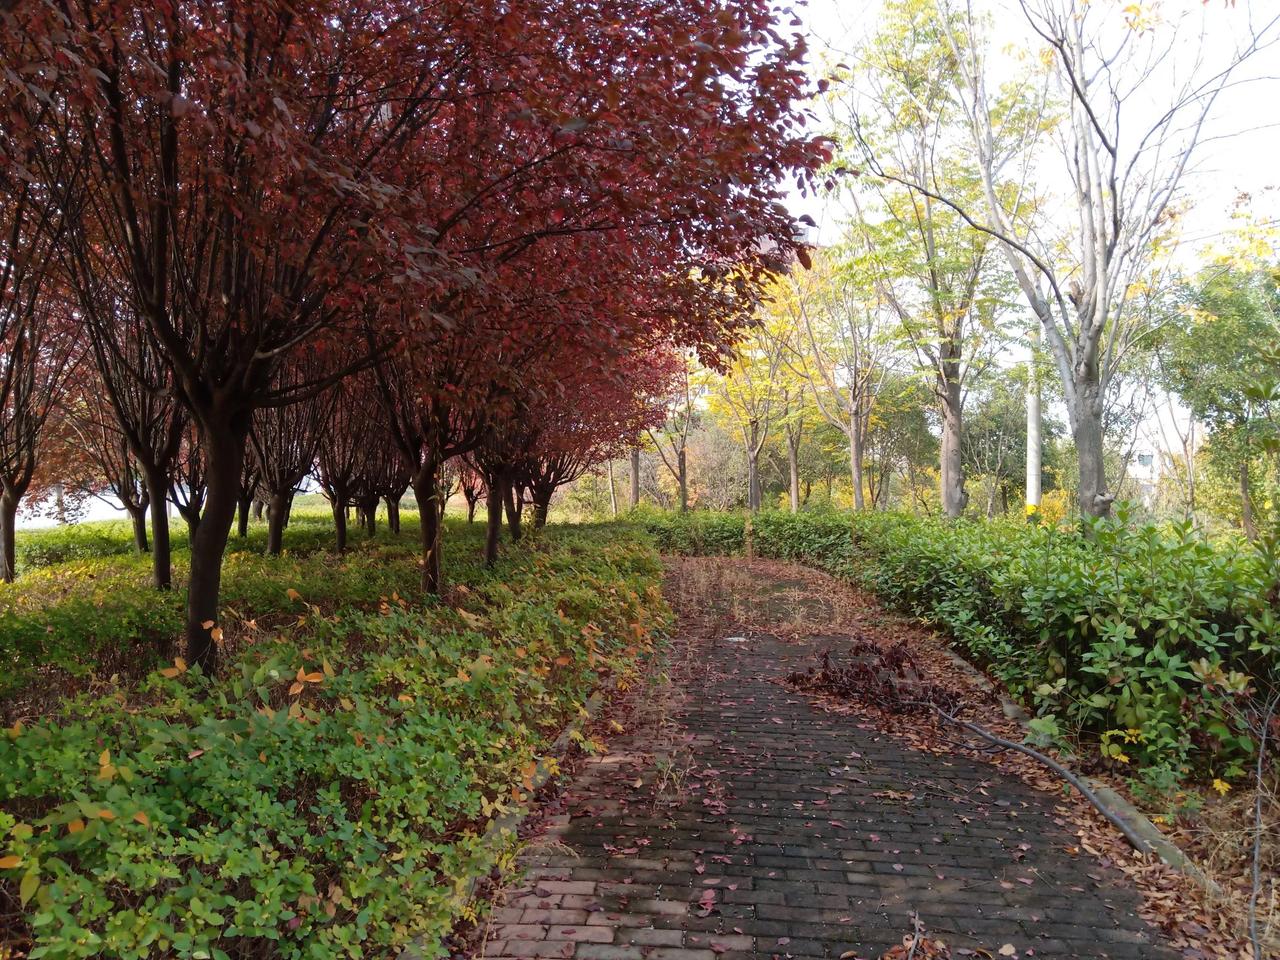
8	863
142	818
293	594
106	814
75	826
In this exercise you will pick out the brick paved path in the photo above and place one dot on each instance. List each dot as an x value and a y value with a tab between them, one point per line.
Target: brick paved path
780	830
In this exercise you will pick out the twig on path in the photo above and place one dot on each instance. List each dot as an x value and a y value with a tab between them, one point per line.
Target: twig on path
1137	842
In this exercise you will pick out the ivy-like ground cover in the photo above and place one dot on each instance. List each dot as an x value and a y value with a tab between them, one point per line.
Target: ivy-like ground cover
1139	641
325	796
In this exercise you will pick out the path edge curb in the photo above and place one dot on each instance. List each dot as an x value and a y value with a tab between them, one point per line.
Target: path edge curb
1164	848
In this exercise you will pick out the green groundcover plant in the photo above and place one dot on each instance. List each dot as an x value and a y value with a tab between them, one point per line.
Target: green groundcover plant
1137	640
325	795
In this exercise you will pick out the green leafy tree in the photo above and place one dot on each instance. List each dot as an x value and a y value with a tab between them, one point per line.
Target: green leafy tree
945	283
1217	358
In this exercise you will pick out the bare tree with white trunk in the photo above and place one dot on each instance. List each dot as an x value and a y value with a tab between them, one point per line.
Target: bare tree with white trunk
1126	117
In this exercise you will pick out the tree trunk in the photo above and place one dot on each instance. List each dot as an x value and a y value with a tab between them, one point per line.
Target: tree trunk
954	497
426	490
8	539
753	482
513	511
471	509
242	516
1034	429
793	469
1247	519
613	494
493	519
393	514
223	445
635	477
682	477
340	524
258	506
138	517
161	552
1093	498
855	465
277	514
541	505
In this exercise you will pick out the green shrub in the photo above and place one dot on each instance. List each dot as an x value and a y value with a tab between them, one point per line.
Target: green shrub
697	533
324	796
1140	639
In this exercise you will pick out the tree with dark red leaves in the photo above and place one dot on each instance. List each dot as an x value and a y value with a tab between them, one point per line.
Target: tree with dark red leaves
138	385
586	421
260	180
284	442
91	434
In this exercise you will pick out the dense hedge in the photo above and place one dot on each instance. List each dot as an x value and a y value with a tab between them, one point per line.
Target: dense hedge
1139	640
322	797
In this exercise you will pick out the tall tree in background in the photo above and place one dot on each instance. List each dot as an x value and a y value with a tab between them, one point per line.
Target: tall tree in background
671	439
844	353
747	396
1217	358
1125	177
930	267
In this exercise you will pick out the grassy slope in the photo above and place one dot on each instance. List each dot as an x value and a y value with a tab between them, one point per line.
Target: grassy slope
323	796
